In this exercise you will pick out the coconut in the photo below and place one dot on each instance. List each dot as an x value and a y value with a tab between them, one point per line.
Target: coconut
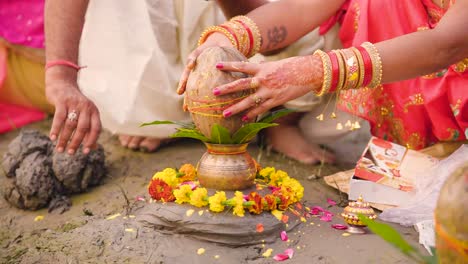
205	108
451	217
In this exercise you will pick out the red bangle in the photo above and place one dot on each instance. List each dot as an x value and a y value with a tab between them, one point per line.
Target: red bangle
63	63
232	33
367	66
251	38
335	71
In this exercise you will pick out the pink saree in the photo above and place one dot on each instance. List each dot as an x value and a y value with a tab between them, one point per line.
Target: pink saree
417	112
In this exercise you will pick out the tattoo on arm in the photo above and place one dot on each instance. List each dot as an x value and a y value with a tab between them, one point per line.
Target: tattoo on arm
275	36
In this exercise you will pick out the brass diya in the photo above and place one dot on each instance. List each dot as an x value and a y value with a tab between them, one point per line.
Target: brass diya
350	215
226	167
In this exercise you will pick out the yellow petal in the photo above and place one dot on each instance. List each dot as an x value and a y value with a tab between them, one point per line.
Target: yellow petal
200	213
312	223
189	212
38	218
113	216
303	219
346	234
278	214
267	253
131	216
216	256
131	230
201	251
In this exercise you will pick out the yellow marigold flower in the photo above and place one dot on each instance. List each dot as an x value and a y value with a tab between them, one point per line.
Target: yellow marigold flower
189	172
170	176
198	197
216	201
266	172
238	204
277	177
295	187
182	194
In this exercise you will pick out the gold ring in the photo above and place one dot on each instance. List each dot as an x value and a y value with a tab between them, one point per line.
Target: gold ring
257	99
254	83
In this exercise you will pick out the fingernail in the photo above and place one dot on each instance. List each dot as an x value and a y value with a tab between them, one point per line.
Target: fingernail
219	66
245	118
53	137
60	149
71	151
216	91
227	113
86	151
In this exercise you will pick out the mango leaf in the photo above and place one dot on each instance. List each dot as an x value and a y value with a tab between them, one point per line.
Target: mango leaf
220	135
249	131
167	122
275	115
389	234
190	134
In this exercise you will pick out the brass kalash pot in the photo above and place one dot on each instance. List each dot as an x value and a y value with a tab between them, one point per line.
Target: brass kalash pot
226	167
223	166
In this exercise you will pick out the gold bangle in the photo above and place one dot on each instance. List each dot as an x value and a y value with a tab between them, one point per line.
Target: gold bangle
376	64
257	37
361	66
352	69
327	72
241	34
210	30
342	70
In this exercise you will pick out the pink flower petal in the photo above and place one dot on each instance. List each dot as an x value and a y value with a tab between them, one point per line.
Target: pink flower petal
140	198
192	184
331	202
289	252
284	236
339	227
325	212
316	210
273	188
326	218
280	257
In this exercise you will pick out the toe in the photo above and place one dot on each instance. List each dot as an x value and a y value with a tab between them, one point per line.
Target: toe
135	142
124	140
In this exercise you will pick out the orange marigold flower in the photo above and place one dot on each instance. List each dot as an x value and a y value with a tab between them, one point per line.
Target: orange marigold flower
188	171
269	202
257	207
284	202
160	190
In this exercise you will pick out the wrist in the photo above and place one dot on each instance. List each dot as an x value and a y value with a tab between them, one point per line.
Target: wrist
61	73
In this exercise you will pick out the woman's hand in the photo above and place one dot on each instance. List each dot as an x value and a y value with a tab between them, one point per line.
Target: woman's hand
215	39
76	119
277	83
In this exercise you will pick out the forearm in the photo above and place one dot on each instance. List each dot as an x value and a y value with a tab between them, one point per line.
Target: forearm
232	8
282	23
427	51
64	21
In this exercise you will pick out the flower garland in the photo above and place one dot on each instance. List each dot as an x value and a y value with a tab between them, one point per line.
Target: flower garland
182	186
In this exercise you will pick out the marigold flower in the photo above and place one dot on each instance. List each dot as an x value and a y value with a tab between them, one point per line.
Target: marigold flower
269	202
216	201
238	204
257	207
284	202
189	172
265	173
169	175
199	197
160	190
182	195
297	190
277	177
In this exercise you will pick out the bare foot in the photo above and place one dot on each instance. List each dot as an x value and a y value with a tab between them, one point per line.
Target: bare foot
145	144
287	139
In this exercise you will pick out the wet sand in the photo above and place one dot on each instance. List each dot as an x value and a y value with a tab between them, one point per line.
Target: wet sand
84	235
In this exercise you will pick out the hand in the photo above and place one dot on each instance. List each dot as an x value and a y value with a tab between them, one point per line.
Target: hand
215	39
277	83
76	118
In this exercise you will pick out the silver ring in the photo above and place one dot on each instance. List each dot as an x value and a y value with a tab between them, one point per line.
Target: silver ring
72	116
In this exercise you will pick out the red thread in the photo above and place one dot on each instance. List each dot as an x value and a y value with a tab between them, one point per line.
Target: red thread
63	63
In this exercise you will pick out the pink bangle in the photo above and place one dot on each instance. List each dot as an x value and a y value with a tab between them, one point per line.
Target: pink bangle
63	63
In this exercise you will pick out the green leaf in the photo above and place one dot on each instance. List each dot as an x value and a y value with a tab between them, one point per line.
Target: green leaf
389	234
167	122
249	131
190	134
220	135
275	115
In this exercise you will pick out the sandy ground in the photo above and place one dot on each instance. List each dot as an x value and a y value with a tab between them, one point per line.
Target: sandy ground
84	235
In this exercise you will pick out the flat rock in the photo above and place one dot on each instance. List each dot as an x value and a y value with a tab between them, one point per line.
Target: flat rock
222	228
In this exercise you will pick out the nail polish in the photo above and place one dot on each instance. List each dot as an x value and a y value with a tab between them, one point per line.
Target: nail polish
219	66
227	113
216	91
245	118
